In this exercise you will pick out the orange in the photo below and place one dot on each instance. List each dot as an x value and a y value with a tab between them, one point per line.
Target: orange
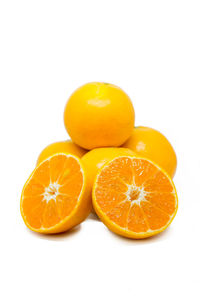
99	115
152	144
55	198
67	147
134	197
96	158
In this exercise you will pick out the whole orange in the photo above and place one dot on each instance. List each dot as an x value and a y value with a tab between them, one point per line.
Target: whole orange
99	115
150	143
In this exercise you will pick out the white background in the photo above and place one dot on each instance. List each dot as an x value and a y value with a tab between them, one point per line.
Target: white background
47	49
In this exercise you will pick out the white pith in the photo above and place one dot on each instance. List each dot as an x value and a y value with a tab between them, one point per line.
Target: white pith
140	190
51	192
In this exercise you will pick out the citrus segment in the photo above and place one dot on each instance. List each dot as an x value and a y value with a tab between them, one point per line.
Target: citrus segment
42	174
73	186
33	208
136	220
65	205
115	184
122	170
142	170
112	198
158	183
55	197
33	188
134	197
50	215
155	217
56	167
164	201
119	213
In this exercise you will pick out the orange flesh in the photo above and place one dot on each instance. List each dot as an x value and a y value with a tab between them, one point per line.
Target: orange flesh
52	192
136	195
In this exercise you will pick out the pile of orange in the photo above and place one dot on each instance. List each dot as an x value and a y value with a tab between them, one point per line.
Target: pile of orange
121	172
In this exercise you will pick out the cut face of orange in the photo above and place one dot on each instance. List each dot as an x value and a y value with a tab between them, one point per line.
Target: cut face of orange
134	197
54	198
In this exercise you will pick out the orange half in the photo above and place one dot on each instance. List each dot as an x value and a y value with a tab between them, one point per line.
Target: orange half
134	197
54	198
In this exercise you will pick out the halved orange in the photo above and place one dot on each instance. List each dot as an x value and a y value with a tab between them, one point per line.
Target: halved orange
134	197
55	197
